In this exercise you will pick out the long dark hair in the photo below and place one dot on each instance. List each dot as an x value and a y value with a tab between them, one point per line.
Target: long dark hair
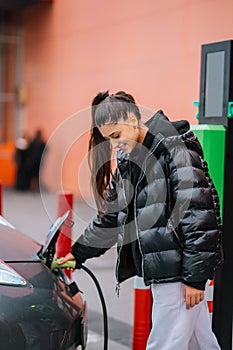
106	109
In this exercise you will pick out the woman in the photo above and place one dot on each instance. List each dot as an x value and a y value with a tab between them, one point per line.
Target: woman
161	208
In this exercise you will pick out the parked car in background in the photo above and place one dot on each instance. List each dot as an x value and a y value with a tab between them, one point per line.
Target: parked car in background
39	308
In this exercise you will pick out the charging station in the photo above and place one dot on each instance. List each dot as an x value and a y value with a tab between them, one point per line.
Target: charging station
215	132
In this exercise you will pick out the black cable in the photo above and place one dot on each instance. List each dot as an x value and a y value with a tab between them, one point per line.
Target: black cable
105	317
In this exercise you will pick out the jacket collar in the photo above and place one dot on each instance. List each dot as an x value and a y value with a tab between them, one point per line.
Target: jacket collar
159	124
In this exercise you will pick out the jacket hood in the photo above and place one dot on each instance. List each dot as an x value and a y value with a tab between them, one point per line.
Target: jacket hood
162	128
159	125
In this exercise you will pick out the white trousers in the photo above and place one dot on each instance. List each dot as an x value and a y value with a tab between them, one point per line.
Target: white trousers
176	328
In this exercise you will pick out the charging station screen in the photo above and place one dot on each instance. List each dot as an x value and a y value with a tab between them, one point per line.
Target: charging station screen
214	84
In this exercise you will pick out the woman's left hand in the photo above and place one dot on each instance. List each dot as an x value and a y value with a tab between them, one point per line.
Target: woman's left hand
192	296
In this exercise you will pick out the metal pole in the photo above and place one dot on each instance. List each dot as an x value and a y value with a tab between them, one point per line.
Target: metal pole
223	290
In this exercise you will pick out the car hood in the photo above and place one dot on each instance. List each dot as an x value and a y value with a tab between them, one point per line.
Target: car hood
14	245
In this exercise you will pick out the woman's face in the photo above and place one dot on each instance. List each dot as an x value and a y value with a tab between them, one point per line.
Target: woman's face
123	135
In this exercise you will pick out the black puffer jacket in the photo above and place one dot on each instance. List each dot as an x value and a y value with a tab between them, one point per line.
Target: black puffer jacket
176	224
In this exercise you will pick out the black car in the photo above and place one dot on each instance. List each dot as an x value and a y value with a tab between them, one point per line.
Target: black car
39	308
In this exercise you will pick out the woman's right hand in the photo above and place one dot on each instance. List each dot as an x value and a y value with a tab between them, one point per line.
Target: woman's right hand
66	258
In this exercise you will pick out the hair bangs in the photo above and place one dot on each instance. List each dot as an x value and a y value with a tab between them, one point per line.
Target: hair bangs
111	112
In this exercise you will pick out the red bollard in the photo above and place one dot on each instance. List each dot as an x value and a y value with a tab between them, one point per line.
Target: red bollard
142	314
209	295
63	245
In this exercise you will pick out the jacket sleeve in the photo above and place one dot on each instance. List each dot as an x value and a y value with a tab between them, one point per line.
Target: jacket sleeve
193	214
100	235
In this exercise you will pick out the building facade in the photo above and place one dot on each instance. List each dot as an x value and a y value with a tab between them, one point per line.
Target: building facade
56	55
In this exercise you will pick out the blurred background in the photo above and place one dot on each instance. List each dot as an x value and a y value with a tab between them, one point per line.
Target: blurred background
55	55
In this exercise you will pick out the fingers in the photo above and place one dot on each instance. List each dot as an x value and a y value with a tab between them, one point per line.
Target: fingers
193	300
66	258
192	296
70	269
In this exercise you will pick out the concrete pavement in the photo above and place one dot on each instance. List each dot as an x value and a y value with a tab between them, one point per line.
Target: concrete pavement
33	213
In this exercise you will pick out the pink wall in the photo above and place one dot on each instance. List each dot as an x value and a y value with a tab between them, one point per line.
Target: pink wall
73	49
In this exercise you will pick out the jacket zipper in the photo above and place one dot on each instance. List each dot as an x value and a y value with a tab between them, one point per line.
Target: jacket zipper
135	196
120	249
136	226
